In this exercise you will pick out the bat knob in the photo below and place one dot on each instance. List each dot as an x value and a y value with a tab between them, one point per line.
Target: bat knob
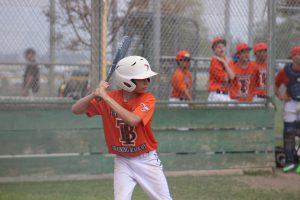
98	98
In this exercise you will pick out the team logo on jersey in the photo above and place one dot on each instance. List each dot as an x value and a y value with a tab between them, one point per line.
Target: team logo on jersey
144	108
244	85
127	134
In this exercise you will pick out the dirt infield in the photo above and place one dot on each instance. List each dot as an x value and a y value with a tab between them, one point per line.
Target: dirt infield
289	182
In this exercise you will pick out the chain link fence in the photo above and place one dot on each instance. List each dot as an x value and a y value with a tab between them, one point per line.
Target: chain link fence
73	38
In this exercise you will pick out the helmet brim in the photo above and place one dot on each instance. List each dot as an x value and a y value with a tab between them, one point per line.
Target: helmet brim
145	75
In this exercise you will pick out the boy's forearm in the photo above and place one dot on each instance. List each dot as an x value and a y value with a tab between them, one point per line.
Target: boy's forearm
230	73
129	117
82	104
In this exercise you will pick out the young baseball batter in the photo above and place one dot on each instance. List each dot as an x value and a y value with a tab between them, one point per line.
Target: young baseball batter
260	63
242	88
182	80
127	116
220	74
289	76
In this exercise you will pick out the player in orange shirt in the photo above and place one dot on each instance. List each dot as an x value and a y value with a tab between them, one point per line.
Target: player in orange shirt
242	88
260	51
220	74
126	116
289	76
182	80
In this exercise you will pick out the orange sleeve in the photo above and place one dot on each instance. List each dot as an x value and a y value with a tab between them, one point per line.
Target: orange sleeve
93	108
145	109
280	78
255	69
217	70
254	78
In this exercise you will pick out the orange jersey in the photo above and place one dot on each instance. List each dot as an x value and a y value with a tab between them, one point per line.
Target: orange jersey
121	138
242	88
181	80
281	78
261	78
217	76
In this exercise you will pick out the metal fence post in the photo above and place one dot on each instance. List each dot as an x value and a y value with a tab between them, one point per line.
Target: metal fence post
156	6
227	26
95	44
156	33
52	48
271	48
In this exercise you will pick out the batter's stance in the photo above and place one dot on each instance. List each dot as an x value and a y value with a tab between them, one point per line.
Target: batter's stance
127	116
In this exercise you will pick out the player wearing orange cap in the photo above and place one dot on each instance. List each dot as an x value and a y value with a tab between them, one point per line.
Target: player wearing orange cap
242	88
182	80
289	76
220	74
260	63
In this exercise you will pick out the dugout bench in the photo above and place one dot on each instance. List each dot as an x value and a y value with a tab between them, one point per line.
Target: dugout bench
49	141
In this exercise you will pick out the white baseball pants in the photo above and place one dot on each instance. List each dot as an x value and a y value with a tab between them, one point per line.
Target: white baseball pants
146	170
214	96
291	111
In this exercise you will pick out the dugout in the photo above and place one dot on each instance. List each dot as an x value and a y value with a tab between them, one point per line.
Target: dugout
45	140
41	139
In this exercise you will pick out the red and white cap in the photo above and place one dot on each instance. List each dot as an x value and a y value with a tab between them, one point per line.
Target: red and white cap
181	55
295	50
260	46
242	46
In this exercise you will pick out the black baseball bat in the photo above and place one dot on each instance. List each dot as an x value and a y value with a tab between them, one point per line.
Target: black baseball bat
121	53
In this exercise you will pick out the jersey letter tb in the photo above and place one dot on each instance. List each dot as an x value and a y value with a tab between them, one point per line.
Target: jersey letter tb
127	134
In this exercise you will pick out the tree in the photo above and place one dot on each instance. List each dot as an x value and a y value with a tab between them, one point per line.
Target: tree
73	20
287	7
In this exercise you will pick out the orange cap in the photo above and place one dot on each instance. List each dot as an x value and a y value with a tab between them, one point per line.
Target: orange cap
181	55
295	51
242	46
260	46
216	41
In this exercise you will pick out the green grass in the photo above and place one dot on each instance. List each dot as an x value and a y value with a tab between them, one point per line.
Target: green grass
182	188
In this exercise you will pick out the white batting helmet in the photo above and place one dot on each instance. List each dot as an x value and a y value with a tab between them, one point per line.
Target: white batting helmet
132	67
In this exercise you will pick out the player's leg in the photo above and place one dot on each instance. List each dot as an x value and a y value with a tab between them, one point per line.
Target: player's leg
215	97
149	174
124	182
289	133
211	97
289	145
298	134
